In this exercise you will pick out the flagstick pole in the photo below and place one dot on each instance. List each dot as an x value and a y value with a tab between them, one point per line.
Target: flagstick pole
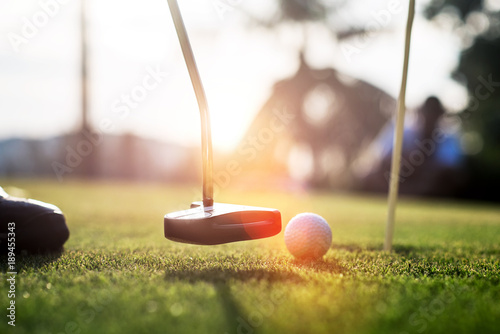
398	137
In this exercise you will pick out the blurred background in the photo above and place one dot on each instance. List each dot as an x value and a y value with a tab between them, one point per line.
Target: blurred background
302	93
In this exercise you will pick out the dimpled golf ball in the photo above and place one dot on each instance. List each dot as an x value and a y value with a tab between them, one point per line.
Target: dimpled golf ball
308	236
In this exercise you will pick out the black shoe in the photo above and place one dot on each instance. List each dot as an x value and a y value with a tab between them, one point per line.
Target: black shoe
38	226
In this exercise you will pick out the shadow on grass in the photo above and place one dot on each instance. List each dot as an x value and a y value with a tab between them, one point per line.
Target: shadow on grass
220	279
397	249
29	260
331	266
407	250
225	275
411	250
221	272
232	309
354	248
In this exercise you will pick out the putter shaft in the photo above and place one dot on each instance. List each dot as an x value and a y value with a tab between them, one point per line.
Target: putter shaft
206	134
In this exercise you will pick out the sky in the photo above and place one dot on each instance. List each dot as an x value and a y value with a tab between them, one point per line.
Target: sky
139	83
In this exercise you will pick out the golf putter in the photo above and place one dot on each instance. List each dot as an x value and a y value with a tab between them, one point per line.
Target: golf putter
206	222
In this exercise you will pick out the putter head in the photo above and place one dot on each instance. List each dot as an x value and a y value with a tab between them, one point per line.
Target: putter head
221	223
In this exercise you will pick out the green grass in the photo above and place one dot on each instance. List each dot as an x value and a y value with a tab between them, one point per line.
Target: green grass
119	274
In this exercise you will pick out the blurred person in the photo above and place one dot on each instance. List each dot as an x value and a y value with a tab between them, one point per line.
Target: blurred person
432	162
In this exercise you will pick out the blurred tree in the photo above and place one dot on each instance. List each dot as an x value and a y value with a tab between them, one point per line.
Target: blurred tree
335	16
477	22
304	12
300	10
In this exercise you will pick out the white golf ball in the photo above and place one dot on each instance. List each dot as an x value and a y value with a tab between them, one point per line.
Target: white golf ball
308	235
